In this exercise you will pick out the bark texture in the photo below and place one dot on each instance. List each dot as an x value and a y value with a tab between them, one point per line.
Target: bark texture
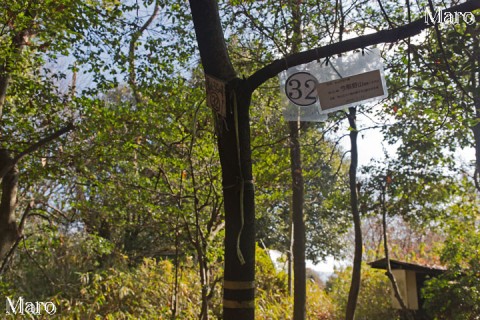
299	268
8	226
235	152
235	157
357	259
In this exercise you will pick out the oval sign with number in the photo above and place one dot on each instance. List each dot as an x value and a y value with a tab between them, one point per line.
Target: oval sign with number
301	89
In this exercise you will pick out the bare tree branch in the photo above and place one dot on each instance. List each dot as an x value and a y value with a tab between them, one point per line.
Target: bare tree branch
385	15
34	147
444	56
42	270
132	78
389	272
384	36
9	255
26	213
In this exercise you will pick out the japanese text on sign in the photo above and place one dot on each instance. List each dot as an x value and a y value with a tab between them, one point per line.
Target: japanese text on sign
216	98
350	90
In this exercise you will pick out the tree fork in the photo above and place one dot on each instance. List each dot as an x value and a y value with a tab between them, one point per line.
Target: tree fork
239	277
235	158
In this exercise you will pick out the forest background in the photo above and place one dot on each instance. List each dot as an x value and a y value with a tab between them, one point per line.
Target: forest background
112	196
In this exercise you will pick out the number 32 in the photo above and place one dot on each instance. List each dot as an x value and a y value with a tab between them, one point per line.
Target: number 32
300	88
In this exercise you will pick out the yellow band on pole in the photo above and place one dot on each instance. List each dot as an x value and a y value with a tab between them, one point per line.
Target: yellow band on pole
231	304
238	285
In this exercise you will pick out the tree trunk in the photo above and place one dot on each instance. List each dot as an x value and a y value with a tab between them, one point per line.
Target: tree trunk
235	157
204	281
239	274
389	272
299	271
235	153
18	42
8	225
4	81
476	100
290	259
476	135
298	224
357	260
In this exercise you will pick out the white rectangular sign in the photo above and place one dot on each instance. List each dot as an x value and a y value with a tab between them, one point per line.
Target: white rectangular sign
350	90
313	90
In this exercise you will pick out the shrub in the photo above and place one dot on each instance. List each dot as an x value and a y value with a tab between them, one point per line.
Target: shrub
374	300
